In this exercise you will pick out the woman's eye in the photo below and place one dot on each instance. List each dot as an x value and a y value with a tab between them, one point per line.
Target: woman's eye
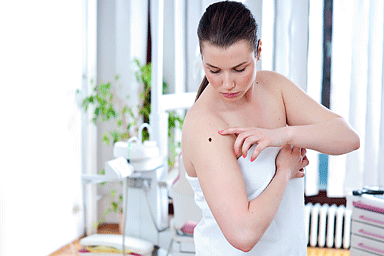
214	72
239	70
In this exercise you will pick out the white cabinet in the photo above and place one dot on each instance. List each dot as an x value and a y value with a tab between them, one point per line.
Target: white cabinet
367	236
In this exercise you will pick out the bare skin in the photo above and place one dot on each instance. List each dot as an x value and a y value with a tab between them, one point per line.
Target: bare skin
248	106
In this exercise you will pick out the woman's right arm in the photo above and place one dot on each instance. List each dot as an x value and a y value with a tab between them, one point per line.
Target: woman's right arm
242	222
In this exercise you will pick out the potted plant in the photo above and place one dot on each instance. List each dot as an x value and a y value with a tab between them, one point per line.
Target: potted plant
108	106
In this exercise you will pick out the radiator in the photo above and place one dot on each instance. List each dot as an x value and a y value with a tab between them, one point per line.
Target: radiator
328	226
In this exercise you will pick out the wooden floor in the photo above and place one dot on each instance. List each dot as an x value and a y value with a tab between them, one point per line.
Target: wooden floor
72	248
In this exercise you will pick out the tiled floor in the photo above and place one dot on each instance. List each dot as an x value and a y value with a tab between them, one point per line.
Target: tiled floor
74	247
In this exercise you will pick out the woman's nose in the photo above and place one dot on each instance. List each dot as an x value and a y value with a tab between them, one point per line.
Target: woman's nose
228	82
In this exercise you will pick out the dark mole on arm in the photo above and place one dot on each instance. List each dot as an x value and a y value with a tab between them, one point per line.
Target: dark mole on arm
210	139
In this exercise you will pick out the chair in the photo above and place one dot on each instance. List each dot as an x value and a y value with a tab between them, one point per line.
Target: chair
186	213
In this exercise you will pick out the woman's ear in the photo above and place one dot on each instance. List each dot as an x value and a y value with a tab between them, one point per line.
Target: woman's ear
259	49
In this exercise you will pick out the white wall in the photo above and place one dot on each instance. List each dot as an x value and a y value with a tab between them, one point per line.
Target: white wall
41	65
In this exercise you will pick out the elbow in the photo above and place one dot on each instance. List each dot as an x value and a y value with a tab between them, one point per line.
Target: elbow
349	144
354	142
357	142
247	243
352	139
244	240
246	247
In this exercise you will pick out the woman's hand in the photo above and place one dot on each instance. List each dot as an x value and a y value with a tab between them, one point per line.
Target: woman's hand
292	160
263	138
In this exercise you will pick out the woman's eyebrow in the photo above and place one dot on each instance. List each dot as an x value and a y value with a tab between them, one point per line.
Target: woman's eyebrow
211	65
242	63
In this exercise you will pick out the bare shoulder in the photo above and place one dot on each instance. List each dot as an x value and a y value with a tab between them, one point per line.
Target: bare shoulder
300	108
201	139
273	79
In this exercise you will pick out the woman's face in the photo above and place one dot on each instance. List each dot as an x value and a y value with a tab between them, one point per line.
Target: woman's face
230	71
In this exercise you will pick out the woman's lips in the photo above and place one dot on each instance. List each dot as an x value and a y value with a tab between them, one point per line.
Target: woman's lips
230	95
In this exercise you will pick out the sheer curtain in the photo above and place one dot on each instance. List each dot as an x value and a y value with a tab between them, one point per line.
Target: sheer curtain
292	45
357	92
294	30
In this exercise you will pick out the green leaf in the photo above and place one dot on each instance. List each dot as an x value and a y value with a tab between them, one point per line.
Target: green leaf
106	140
97	111
115	206
115	135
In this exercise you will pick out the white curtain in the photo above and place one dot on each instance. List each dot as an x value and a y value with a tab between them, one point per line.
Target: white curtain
357	89
292	45
294	30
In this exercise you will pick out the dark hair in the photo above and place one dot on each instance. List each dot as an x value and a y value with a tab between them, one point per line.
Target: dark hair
223	24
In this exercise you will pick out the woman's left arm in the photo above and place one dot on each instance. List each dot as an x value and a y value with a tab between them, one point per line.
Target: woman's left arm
309	125
313	126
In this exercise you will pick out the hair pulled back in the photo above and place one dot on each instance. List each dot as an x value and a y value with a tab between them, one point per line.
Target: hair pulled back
223	24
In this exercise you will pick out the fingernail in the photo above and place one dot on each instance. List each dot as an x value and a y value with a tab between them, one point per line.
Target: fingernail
244	156
252	159
235	152
221	131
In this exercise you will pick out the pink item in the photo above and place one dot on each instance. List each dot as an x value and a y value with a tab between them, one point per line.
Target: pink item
188	227
368	207
361	245
371	220
362	231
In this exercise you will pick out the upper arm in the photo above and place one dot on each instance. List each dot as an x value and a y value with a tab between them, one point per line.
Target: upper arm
300	108
218	171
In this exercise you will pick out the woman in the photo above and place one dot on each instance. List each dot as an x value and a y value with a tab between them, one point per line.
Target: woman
244	143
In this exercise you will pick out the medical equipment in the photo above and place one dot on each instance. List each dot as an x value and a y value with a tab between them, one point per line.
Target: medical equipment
186	213
141	169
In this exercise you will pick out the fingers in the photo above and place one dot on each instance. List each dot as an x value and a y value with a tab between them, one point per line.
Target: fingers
244	142
303	151
296	150
234	130
305	162
300	173
260	147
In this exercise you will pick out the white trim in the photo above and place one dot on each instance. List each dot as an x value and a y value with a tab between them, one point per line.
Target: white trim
157	119
267	35
179	40
89	130
314	84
